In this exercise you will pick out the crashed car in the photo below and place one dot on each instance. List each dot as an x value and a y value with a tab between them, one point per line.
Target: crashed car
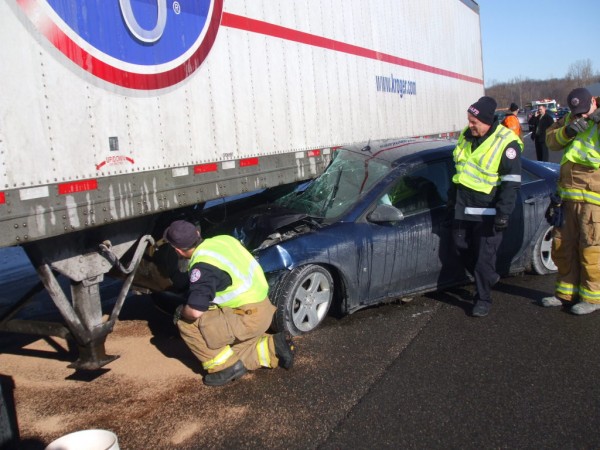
371	229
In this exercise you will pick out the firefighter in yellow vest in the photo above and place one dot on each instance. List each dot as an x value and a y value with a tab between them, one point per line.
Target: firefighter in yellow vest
227	313
576	244
483	195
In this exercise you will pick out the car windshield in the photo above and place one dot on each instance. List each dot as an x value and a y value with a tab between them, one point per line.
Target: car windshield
346	180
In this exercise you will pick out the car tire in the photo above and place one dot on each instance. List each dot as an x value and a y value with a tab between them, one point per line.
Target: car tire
541	259
303	297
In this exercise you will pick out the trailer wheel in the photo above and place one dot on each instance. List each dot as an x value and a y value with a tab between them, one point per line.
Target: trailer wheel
303	298
542	263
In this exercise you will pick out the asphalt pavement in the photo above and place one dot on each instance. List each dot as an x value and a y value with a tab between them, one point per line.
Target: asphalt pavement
422	375
522	378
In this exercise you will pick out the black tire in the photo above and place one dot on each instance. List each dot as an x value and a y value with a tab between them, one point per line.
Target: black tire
541	259
303	298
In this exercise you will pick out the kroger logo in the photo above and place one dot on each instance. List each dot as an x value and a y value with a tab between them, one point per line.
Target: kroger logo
138	44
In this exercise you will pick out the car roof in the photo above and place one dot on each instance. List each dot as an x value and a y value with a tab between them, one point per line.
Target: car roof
394	150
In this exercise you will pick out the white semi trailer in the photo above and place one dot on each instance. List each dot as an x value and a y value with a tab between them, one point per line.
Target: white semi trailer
115	114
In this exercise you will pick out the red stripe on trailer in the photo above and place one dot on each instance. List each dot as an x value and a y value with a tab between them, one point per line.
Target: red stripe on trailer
313	153
2	198
269	29
77	186
248	162
204	168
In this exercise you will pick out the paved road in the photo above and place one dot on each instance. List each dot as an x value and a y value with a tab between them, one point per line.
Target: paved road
421	375
529	151
524	377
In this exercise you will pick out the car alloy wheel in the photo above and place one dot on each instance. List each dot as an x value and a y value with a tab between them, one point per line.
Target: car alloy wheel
542	263
303	297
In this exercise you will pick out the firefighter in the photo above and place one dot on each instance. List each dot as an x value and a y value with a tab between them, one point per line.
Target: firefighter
483	195
576	243
227	313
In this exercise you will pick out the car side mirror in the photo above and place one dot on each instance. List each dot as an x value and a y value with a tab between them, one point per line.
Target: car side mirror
385	213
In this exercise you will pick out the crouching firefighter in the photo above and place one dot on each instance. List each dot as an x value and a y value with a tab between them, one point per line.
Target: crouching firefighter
227	313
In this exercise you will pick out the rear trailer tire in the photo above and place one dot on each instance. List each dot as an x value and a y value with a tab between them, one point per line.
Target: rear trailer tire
303	298
542	263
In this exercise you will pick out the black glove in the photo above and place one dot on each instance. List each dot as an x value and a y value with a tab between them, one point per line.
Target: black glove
575	127
595	116
554	213
177	314
500	222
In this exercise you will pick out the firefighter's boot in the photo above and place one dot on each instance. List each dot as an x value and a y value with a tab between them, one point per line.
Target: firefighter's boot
551	301
226	375
584	308
284	349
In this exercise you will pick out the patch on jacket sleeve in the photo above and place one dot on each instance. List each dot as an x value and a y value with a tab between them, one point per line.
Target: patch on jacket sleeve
195	275
511	153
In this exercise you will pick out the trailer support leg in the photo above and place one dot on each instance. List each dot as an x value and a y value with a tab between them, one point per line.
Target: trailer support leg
83	317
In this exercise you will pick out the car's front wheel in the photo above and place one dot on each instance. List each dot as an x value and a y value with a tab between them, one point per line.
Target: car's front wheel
542	263
303	297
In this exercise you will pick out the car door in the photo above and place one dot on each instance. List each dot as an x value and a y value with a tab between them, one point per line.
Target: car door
414	253
524	222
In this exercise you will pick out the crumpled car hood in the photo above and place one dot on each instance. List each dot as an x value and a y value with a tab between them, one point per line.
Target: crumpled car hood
265	225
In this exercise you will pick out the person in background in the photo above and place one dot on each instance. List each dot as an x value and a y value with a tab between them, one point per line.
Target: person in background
511	121
227	313
576	243
539	123
483	195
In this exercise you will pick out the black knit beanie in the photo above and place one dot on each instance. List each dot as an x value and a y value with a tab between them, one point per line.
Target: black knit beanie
484	109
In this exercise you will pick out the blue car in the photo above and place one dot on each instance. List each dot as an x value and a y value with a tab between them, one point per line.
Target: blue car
372	229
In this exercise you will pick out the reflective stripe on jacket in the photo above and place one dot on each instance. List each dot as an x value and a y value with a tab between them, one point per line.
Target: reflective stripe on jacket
584	149
248	282
579	175
478	170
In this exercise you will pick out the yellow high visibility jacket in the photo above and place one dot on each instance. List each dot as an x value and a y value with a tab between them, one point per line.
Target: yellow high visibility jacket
585	148
478	170
249	284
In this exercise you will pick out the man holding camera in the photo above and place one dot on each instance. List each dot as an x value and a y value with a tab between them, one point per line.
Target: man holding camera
576	244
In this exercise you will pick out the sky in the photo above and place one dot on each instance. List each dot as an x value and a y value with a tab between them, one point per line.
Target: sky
537	39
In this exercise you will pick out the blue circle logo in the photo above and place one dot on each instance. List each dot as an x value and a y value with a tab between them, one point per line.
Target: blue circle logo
137	44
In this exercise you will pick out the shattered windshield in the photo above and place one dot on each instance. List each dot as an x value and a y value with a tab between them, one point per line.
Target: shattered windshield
346	180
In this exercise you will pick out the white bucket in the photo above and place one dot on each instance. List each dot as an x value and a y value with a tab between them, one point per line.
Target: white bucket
86	440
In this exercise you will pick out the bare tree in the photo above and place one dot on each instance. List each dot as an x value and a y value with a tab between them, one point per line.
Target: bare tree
581	72
523	90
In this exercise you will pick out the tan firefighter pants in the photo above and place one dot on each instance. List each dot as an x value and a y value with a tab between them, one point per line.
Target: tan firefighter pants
222	336
576	253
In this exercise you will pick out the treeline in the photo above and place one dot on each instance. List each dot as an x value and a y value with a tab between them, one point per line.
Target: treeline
523	91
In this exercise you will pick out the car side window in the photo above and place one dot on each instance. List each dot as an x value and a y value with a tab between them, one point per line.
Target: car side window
421	189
